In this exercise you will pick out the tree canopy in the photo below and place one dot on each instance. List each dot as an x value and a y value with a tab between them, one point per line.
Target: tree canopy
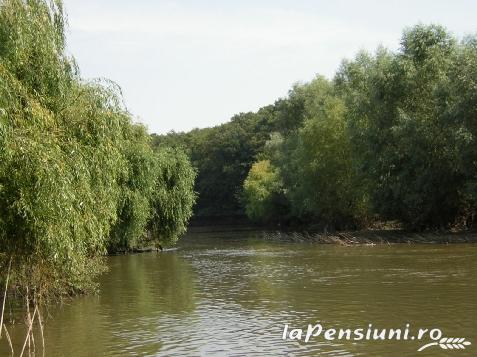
391	136
76	175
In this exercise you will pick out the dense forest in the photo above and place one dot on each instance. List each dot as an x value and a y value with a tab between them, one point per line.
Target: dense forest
392	136
77	177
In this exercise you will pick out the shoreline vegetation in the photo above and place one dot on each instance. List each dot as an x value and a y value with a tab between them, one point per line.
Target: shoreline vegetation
385	233
392	136
373	237
78	178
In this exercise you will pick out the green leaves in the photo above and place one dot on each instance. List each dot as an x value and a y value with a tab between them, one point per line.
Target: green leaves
263	191
222	156
76	176
173	195
392	135
312	176
406	129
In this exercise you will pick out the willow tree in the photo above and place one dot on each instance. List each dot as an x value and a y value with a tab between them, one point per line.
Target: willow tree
173	196
137	184
55	194
76	175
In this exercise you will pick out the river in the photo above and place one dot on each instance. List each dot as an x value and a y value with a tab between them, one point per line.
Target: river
230	294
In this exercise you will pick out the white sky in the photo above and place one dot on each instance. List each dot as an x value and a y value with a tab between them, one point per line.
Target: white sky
186	64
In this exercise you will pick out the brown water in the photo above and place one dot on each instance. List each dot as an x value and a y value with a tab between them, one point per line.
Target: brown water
230	294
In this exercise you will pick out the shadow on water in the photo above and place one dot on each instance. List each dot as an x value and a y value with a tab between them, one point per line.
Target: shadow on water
230	293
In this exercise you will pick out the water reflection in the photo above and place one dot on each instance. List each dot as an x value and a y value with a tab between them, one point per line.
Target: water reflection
230	294
139	295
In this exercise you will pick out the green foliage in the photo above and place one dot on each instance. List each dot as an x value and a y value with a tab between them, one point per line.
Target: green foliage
173	195
137	184
222	156
401	113
263	193
323	181
392	136
57	199
313	163
76	176
462	110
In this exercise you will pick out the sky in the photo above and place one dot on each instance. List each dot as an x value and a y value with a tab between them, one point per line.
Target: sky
193	64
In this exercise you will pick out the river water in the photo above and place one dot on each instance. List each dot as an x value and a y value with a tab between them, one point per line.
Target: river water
230	294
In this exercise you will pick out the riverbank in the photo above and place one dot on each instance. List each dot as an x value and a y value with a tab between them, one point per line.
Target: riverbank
368	237
388	232
142	250
373	237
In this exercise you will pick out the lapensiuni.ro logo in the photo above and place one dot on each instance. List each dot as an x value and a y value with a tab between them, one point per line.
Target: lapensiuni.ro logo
428	337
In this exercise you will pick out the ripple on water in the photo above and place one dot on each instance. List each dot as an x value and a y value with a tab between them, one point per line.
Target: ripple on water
232	298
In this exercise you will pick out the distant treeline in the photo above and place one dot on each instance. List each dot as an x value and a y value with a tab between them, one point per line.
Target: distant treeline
393	136
77	177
